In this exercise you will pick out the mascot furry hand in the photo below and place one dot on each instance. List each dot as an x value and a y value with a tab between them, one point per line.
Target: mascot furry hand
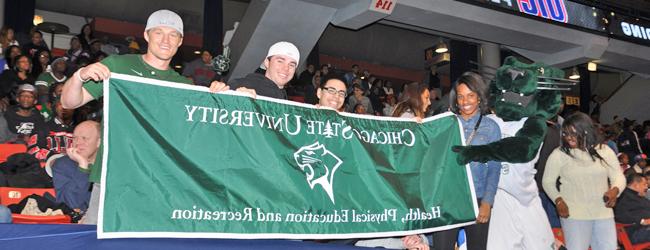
514	95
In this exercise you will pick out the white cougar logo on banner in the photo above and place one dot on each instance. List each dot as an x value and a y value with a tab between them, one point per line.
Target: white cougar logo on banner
319	165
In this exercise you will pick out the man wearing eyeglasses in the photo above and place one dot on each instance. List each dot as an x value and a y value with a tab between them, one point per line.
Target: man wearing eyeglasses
332	94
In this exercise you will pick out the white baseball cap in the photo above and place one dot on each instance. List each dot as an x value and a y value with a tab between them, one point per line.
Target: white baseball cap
165	18
285	49
26	87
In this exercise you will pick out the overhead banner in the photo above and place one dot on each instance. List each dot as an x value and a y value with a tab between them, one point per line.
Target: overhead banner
630	29
559	11
183	162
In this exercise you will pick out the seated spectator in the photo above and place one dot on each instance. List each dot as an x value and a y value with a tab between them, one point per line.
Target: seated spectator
6	136
437	104
200	70
41	63
624	160
370	81
18	75
324	70
351	75
25	121
360	109
7	61
82	62
640	163
70	173
388	88
628	140
610	135
60	129
633	208
134	46
7	38
111	48
365	78
55	92
389	105
76	50
355	81
99	57
377	96
35	45
86	36
359	99
95	49
307	75
56	75
311	89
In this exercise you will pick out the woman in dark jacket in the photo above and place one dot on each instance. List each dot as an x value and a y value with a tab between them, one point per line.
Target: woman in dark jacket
19	74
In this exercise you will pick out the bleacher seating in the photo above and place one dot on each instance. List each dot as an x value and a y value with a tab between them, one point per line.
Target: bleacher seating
7	150
11	195
624	239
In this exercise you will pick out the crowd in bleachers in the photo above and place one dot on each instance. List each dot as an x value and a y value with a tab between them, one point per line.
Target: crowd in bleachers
35	130
52	154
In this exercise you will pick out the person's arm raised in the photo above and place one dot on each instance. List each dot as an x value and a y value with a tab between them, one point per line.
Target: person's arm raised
73	94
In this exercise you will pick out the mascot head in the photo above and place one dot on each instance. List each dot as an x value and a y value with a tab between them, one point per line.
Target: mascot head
523	90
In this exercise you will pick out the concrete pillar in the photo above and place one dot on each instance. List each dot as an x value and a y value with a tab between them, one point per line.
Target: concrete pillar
268	22
297	21
2	13
489	59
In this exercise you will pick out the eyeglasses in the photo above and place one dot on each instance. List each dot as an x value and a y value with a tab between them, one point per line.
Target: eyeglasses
572	134
333	91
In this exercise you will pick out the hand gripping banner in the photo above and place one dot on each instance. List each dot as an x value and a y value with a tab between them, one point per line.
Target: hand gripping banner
183	162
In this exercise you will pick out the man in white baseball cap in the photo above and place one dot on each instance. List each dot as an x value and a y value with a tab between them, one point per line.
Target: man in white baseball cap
164	35
280	63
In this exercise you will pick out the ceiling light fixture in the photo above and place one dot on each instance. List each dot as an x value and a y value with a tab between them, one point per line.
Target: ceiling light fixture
592	66
37	20
574	74
441	47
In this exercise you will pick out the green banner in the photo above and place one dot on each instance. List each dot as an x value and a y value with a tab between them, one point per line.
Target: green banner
183	162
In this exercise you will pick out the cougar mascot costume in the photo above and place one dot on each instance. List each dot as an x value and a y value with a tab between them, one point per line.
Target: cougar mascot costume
523	96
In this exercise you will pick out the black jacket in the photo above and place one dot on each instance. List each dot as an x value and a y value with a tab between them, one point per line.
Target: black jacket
630	209
262	86
628	143
9	82
24	171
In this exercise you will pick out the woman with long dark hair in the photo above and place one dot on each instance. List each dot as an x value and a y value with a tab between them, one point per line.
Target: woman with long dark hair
41	62
377	96
10	53
7	38
12	78
415	103
468	100
590	183
86	34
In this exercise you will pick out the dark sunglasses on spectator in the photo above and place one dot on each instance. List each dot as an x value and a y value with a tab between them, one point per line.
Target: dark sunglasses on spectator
334	91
